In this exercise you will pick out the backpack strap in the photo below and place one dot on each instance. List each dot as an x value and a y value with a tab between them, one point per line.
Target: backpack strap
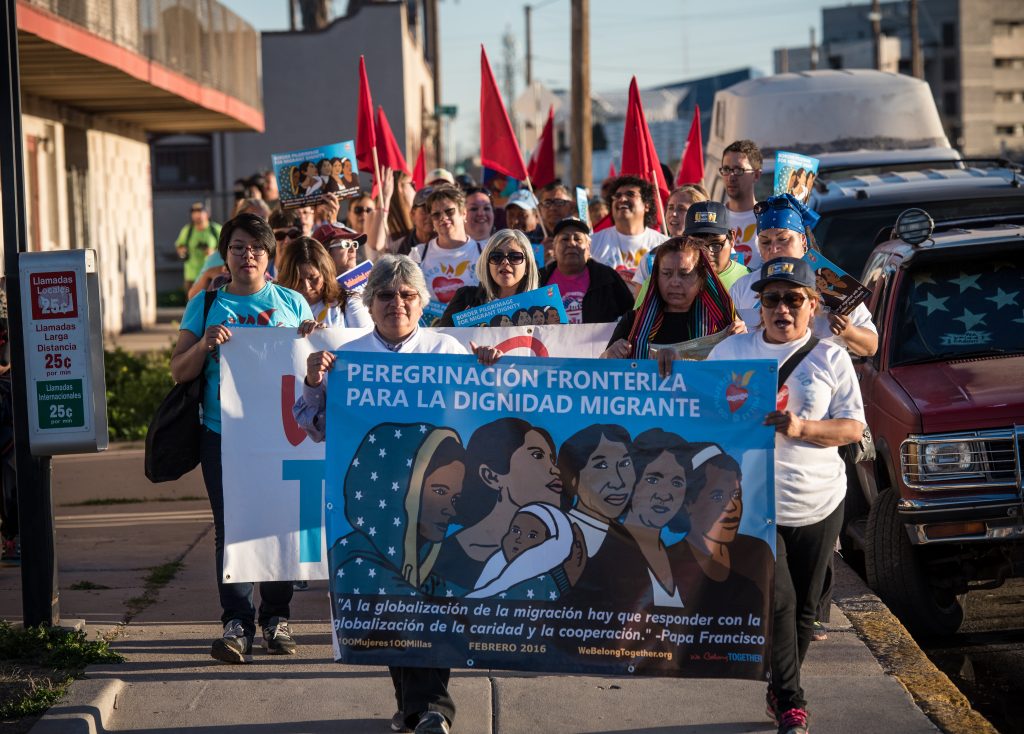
208	298
787	367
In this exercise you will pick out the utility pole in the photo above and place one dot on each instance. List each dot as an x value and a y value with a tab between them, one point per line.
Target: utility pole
508	43
582	143
434	49
814	51
528	9
916	60
293	15
784	61
875	16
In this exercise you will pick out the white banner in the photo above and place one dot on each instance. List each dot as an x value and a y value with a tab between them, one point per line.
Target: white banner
274	474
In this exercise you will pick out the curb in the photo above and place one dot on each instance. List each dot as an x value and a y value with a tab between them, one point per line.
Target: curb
88	704
901	657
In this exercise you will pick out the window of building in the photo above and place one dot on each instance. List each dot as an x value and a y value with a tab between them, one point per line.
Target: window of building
182	162
1010	131
949	35
950	103
949	70
1009	63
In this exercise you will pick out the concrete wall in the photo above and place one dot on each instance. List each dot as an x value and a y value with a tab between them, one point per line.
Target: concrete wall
98	196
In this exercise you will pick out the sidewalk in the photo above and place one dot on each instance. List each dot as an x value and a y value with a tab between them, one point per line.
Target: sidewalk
170	684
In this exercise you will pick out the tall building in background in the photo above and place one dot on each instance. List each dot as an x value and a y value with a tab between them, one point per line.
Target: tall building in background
96	79
973	52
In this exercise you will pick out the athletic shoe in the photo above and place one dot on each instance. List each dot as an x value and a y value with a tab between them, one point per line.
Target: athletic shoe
432	722
277	638
398	722
793	721
234	645
819	634
771	705
300	585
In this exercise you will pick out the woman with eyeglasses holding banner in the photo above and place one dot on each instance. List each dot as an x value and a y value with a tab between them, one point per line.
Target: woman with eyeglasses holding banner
395	294
247	245
782	224
818	409
505	267
449	260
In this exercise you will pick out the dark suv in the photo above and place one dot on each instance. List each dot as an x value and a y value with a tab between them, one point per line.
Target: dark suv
940	511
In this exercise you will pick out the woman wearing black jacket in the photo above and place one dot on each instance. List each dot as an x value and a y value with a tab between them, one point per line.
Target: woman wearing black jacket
505	267
605	297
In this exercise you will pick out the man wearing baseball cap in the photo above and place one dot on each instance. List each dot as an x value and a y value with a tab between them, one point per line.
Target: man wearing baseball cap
422	228
195	241
708	222
521	213
592	292
440	176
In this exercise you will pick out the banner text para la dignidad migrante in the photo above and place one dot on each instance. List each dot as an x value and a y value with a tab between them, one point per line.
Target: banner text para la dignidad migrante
571	515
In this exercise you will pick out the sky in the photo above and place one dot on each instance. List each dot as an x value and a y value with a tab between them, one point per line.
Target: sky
660	41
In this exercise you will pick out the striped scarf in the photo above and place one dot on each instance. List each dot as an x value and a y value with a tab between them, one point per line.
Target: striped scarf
712	310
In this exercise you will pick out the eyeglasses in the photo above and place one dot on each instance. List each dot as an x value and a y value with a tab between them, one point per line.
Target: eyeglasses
363	209
560	203
343	245
792	299
630	194
445	214
242	250
714	246
726	172
280	234
513	257
388	296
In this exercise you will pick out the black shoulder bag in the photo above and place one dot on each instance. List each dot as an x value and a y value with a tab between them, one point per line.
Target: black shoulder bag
787	367
172	441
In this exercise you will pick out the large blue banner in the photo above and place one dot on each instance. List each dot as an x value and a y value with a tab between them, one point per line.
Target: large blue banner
574	515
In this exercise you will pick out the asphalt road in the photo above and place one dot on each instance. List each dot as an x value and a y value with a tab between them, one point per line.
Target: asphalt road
986	658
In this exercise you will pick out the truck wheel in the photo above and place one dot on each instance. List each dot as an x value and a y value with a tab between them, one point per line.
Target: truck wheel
895	572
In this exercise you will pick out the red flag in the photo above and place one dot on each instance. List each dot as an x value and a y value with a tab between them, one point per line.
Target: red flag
611	170
605	223
499	149
366	139
419	171
542	162
639	158
388	154
691	165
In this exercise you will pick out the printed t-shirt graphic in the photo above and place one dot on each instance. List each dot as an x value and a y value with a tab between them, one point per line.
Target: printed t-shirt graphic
573	288
624	252
445	272
744	227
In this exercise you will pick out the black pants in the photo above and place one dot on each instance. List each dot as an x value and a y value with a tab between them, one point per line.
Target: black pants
418	690
801	558
236	599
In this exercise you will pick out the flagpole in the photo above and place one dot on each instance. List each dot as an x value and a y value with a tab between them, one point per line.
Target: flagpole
376	177
661	207
529	187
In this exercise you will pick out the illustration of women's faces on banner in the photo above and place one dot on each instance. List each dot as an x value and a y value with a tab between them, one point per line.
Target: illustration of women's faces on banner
304	176
795	174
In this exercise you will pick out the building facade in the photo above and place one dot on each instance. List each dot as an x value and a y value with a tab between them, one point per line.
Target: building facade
96	80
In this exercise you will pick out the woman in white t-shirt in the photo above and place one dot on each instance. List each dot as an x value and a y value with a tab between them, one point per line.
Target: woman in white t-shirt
819	409
781	222
308	268
449	260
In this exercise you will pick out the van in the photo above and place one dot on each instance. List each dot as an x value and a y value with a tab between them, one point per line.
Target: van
840	116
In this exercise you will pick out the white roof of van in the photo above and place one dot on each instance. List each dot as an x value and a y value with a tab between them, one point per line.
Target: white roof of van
830	110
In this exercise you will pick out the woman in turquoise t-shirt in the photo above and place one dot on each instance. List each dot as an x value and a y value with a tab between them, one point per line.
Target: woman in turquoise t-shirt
247	246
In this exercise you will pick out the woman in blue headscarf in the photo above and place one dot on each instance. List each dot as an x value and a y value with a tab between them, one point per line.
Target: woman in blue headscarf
782	227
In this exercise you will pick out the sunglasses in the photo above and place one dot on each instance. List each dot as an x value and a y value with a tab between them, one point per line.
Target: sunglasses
792	299
343	245
293	233
514	258
446	214
363	209
388	296
777	203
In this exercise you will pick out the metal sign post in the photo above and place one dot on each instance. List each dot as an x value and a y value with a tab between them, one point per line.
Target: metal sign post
40	597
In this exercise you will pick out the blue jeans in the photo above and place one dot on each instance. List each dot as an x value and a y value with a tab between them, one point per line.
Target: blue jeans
236	599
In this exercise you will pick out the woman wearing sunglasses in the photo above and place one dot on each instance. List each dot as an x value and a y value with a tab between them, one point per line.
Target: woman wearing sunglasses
818	409
308	268
505	267
781	232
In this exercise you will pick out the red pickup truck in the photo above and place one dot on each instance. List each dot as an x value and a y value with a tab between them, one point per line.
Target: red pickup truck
940	510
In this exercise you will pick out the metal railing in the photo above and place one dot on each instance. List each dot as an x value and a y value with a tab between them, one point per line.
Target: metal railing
200	39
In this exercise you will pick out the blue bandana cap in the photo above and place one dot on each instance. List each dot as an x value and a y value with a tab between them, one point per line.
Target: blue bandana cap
784	212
